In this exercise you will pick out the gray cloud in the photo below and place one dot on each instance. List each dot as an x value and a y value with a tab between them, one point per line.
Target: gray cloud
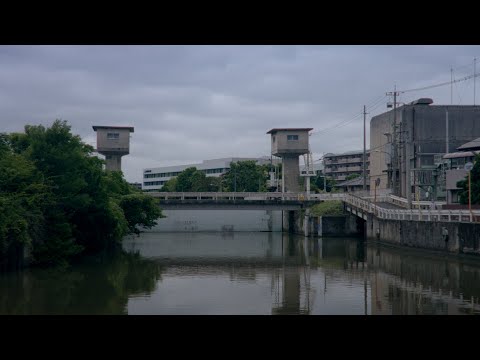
190	103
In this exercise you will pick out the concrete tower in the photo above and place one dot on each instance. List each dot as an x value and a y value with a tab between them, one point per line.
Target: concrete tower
113	142
289	144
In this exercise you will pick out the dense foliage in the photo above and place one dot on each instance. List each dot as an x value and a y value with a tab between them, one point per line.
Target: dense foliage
474	183
245	176
56	199
327	208
192	180
318	182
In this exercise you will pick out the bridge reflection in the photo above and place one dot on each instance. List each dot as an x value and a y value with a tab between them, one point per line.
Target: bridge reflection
323	276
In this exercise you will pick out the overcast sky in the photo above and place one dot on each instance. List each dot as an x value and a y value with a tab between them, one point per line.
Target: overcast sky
190	103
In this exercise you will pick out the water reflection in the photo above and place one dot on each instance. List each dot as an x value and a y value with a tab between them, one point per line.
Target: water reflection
101	285
249	273
406	283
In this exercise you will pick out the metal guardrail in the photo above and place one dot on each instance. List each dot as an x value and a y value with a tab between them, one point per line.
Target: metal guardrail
300	196
412	214
228	196
403	202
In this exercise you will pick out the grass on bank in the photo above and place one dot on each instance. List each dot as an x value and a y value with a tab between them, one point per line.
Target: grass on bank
327	208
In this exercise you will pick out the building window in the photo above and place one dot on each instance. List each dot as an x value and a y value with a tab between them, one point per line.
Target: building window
292	137
112	136
273	138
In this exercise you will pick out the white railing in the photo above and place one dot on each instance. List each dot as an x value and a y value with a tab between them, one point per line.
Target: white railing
246	196
228	195
412	214
403	202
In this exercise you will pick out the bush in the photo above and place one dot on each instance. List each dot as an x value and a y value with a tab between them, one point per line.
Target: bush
327	208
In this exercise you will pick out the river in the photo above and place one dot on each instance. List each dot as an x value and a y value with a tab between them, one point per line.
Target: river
248	273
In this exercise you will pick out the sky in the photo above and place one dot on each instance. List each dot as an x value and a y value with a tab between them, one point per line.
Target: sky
191	103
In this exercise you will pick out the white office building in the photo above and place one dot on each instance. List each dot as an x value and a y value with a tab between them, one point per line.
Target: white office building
154	178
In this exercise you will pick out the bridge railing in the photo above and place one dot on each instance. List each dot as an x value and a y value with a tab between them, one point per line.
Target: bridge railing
230	196
403	202
412	214
298	196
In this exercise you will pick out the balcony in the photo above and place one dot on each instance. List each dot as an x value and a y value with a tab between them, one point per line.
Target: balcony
345	161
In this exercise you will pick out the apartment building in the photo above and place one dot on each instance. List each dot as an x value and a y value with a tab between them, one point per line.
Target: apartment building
339	166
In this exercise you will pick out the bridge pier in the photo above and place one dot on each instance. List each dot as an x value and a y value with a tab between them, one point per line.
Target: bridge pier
293	221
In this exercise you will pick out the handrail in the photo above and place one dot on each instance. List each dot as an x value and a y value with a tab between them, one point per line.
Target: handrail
431	214
246	195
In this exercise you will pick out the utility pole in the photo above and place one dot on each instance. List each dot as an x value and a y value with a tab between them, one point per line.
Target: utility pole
474	77
364	149
451	86
394	141
446	131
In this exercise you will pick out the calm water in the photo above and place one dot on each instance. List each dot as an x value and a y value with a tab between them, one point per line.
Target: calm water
248	273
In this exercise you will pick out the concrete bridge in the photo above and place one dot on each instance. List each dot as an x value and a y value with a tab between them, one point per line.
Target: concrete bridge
383	207
240	200
391	208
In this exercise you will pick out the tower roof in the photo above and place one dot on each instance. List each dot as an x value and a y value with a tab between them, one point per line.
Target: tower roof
288	129
95	127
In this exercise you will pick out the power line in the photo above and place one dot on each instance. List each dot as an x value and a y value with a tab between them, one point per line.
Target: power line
441	84
342	123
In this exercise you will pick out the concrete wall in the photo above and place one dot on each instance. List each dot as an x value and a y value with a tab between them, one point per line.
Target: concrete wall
120	145
293	221
343	225
422	128
379	125
462	237
218	220
113	162
283	146
291	172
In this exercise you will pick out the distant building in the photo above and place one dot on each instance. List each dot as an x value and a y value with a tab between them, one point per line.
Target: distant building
456	168
137	185
155	178
408	158
352	185
339	166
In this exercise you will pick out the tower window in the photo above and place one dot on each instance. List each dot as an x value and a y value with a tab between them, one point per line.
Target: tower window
292	137
113	136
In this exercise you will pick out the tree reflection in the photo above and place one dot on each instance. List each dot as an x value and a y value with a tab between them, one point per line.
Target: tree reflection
100	285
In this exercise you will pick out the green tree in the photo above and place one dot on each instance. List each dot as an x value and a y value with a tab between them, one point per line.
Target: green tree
474	183
187	178
246	176
55	196
170	185
192	180
23	199
319	182
140	210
